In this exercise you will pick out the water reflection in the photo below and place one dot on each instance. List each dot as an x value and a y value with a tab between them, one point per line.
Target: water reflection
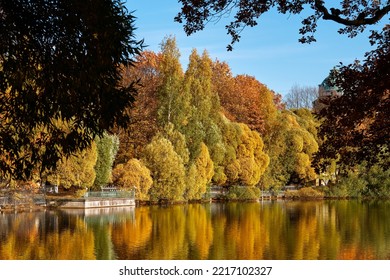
268	230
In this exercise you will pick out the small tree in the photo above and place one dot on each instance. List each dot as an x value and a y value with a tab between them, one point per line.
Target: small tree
166	168
107	147
199	174
75	171
133	175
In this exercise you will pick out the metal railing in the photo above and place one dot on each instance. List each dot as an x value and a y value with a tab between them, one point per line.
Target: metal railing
22	198
110	194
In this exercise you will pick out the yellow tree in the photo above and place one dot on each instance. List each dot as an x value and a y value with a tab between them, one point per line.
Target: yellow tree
199	174
252	159
133	175
76	170
291	148
167	169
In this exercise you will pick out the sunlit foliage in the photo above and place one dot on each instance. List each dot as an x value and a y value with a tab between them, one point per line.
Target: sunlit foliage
199	174
134	176
167	170
107	147
76	171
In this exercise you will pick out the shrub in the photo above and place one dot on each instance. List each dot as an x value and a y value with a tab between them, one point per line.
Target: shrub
362	182
351	186
304	193
133	175
243	193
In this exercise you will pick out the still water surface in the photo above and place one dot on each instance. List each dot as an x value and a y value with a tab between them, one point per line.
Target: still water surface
266	230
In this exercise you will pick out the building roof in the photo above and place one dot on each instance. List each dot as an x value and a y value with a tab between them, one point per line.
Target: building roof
327	84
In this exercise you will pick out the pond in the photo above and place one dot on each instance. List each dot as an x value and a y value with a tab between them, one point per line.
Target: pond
279	230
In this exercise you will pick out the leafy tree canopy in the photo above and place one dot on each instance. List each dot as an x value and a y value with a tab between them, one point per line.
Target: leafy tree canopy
75	171
133	175
166	169
59	61
356	126
353	15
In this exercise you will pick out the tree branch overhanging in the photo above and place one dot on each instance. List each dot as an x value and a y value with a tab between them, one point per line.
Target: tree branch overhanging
361	19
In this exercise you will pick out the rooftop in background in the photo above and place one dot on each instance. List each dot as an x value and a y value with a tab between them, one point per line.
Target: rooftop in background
327	85
326	91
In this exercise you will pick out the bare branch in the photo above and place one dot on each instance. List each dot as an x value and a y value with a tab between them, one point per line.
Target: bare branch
361	19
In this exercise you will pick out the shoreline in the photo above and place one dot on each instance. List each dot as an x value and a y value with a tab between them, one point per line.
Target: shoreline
58	203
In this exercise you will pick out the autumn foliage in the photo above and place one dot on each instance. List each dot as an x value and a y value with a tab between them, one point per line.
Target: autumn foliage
193	129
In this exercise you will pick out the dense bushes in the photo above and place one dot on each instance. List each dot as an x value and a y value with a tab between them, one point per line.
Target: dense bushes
243	193
373	182
304	193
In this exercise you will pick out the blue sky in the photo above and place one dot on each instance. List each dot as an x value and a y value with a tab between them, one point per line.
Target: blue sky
270	51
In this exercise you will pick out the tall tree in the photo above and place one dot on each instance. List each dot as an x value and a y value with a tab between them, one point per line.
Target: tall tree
356	126
59	60
143	114
204	107
171	102
107	147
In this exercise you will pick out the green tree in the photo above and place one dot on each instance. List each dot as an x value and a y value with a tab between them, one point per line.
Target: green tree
194	89
171	101
203	125
107	147
59	60
167	170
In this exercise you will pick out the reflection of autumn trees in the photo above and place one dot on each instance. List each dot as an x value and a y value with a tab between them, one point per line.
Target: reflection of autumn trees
199	230
309	230
169	240
267	230
130	237
306	239
30	238
244	232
